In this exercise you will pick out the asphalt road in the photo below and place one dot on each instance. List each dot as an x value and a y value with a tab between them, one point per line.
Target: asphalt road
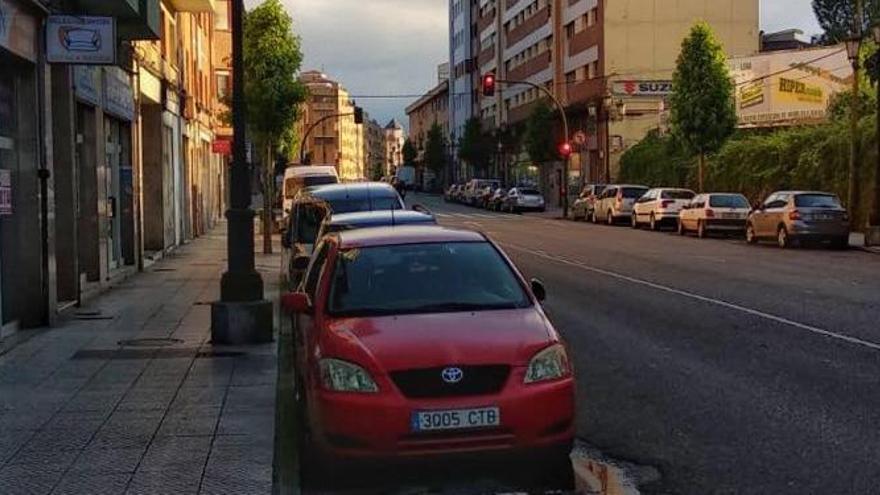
730	368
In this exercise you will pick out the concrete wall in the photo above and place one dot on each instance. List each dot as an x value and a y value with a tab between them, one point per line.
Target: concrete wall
153	202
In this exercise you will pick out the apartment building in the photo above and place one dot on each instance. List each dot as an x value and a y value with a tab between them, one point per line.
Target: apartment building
395	137
609	62
336	139
374	148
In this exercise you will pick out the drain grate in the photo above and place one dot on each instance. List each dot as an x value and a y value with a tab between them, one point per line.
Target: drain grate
150	342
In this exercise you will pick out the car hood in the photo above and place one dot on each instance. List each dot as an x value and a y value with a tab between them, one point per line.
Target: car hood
425	341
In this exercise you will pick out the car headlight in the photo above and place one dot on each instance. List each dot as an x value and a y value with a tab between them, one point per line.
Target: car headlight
549	364
342	376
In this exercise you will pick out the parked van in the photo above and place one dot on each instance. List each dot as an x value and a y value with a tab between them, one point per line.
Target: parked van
474	190
297	177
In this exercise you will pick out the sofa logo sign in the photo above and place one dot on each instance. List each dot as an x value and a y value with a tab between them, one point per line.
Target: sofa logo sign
643	88
81	40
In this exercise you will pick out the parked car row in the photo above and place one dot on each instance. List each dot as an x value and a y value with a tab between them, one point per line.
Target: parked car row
488	194
414	339
786	217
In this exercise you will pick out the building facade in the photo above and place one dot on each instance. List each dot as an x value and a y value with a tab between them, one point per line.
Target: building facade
610	63
462	75
335	139
429	110
374	149
395	137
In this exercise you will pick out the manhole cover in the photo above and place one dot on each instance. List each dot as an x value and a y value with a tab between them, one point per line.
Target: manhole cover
149	342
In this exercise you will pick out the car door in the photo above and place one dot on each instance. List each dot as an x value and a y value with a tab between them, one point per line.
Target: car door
686	216
773	215
760	220
645	205
304	330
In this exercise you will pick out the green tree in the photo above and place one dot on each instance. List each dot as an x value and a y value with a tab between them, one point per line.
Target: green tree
540	141
272	58
410	154
473	147
703	112
838	18
435	150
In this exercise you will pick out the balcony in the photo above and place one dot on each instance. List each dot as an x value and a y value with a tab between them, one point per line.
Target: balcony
194	6
530	68
584	40
537	20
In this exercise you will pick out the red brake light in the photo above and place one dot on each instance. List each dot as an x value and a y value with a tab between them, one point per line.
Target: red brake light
794	215
665	203
710	213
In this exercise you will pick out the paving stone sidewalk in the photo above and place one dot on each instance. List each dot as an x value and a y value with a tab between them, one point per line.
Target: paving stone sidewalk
84	411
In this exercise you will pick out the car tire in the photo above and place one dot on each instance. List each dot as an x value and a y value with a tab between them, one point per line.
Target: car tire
783	239
610	218
681	230
634	221
701	230
751	236
653	224
593	218
840	243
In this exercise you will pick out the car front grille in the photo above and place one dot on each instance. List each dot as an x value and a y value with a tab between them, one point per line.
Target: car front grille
429	383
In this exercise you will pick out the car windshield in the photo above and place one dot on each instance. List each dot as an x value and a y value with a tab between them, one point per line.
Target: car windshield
423	278
728	201
816	201
677	194
633	192
529	192
371	203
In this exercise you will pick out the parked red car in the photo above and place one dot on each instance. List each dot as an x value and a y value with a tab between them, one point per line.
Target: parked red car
424	340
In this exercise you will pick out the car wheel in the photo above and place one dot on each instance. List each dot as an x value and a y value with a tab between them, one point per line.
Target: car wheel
701	230
653	222
751	236
681	229
610	218
840	243
783	240
634	220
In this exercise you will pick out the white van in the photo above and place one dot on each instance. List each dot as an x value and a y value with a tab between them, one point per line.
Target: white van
297	177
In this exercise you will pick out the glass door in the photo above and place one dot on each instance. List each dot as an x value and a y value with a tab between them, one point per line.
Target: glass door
113	154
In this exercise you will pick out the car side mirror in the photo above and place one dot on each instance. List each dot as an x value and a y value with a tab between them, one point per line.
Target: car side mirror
300	263
539	290
296	303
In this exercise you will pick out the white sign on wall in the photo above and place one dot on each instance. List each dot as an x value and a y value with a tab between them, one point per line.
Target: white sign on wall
81	40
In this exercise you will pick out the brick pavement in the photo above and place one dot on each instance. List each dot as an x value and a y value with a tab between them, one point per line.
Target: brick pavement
83	411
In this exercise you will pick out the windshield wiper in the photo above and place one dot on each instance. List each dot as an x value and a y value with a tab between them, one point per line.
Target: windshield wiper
455	306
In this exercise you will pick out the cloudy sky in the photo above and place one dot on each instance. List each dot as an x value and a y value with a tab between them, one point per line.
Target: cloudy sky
392	47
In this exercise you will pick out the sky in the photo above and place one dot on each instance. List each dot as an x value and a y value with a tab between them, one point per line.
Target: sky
393	47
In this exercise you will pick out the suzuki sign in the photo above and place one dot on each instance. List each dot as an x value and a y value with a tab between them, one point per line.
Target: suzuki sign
642	88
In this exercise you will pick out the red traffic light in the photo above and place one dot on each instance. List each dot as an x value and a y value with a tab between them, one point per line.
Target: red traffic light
489	85
565	149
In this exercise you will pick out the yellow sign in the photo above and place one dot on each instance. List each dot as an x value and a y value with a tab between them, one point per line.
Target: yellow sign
794	90
751	95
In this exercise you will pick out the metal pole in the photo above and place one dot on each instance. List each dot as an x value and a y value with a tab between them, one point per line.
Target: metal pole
853	189
564	130
241	282
302	145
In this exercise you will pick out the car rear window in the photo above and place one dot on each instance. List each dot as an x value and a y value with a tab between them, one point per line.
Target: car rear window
816	201
677	195
294	184
530	192
633	192
371	203
728	201
423	278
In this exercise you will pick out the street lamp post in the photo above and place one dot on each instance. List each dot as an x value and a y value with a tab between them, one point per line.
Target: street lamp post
873	234
853	45
241	316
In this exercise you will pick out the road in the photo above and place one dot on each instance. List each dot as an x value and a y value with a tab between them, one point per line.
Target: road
730	368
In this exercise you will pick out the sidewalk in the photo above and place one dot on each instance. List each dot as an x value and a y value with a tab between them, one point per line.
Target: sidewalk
128	395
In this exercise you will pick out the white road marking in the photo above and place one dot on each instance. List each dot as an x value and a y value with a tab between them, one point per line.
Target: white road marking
698	297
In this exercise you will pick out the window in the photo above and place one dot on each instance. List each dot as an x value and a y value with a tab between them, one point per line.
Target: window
222	15
816	201
314	274
224	86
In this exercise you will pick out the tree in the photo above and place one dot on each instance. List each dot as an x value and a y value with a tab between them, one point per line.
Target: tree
703	114
272	58
410	154
435	150
473	147
838	18
540	141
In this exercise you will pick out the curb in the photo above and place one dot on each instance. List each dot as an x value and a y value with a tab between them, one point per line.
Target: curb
286	462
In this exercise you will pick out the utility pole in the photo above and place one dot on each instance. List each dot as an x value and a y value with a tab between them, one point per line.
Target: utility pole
241	316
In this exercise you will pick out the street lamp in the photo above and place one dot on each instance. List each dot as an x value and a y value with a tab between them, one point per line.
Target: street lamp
853	46
873	233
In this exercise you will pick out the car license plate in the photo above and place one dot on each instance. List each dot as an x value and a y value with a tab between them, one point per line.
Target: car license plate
456	419
730	216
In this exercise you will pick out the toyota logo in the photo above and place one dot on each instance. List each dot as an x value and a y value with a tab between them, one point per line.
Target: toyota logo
452	375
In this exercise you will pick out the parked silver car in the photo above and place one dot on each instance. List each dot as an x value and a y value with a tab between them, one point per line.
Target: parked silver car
660	206
615	204
582	207
714	212
520	199
791	217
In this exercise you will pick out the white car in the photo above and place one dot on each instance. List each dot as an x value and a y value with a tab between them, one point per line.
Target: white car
715	212
521	199
660	206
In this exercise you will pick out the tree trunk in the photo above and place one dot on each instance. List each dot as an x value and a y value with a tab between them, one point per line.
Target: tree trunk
268	196
701	172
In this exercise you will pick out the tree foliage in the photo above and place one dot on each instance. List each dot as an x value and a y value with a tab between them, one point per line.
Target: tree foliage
838	18
435	149
540	141
474	147
410	153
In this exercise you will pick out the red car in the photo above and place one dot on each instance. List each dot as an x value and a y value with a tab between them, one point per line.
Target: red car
423	340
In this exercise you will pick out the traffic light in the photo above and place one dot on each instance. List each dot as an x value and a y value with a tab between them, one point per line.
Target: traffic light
358	115
489	85
565	149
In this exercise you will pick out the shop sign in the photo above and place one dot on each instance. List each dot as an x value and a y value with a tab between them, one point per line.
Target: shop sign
5	192
751	95
81	40
118	95
18	31
643	88
222	147
86	81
